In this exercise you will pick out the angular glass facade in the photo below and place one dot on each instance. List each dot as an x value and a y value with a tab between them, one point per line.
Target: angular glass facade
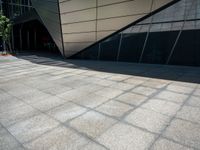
36	25
15	8
0	5
139	31
170	36
85	22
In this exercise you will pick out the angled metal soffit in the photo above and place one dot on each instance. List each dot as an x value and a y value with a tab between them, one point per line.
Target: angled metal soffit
48	10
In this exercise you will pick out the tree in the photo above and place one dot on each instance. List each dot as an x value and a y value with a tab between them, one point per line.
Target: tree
5	30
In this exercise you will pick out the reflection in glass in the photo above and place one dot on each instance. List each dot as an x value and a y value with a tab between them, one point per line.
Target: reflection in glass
132	43
18	7
171	36
109	47
186	50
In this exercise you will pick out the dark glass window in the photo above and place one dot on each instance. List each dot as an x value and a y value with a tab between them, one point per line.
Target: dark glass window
109	48
132	43
18	7
90	53
158	47
170	36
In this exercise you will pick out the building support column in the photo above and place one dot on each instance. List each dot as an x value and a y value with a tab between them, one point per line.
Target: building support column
28	40
99	52
20	38
120	44
35	39
13	41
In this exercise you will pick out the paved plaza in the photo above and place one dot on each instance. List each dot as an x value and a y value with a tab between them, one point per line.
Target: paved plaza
57	104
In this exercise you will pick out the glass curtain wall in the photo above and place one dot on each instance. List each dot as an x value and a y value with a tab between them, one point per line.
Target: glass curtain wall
1	5
170	36
18	7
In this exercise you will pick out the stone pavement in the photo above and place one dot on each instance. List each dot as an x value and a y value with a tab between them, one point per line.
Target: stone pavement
48	103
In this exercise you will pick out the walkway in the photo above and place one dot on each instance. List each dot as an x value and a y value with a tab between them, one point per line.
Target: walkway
48	103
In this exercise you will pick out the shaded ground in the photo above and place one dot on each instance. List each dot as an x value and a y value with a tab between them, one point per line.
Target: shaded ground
51	103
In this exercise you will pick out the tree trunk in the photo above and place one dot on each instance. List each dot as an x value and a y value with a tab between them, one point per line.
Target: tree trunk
4	46
8	46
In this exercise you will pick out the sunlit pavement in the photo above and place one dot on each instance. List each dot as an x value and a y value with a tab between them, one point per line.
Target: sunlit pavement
48	103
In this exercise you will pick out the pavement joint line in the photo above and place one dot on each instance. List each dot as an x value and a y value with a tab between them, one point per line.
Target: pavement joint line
187	120
172	115
105	115
184	145
39	111
20	144
118	120
172	118
84	135
156	111
118	96
112	98
169	100
120	80
123	117
44	133
60	123
187	94
192	105
132	105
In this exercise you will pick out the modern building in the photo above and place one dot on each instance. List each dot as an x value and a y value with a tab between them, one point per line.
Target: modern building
140	31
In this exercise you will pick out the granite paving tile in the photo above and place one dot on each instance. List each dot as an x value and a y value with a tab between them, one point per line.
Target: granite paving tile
189	113
163	107
66	111
163	144
92	123
172	96
114	108
32	128
184	132
60	138
147	119
131	98
126	137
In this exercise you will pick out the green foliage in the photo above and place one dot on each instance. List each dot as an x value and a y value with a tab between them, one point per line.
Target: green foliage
5	31
5	28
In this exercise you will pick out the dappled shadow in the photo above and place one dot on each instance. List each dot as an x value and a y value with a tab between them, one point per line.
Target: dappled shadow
176	73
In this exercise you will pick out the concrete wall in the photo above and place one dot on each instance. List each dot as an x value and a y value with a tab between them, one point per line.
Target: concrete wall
87	21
